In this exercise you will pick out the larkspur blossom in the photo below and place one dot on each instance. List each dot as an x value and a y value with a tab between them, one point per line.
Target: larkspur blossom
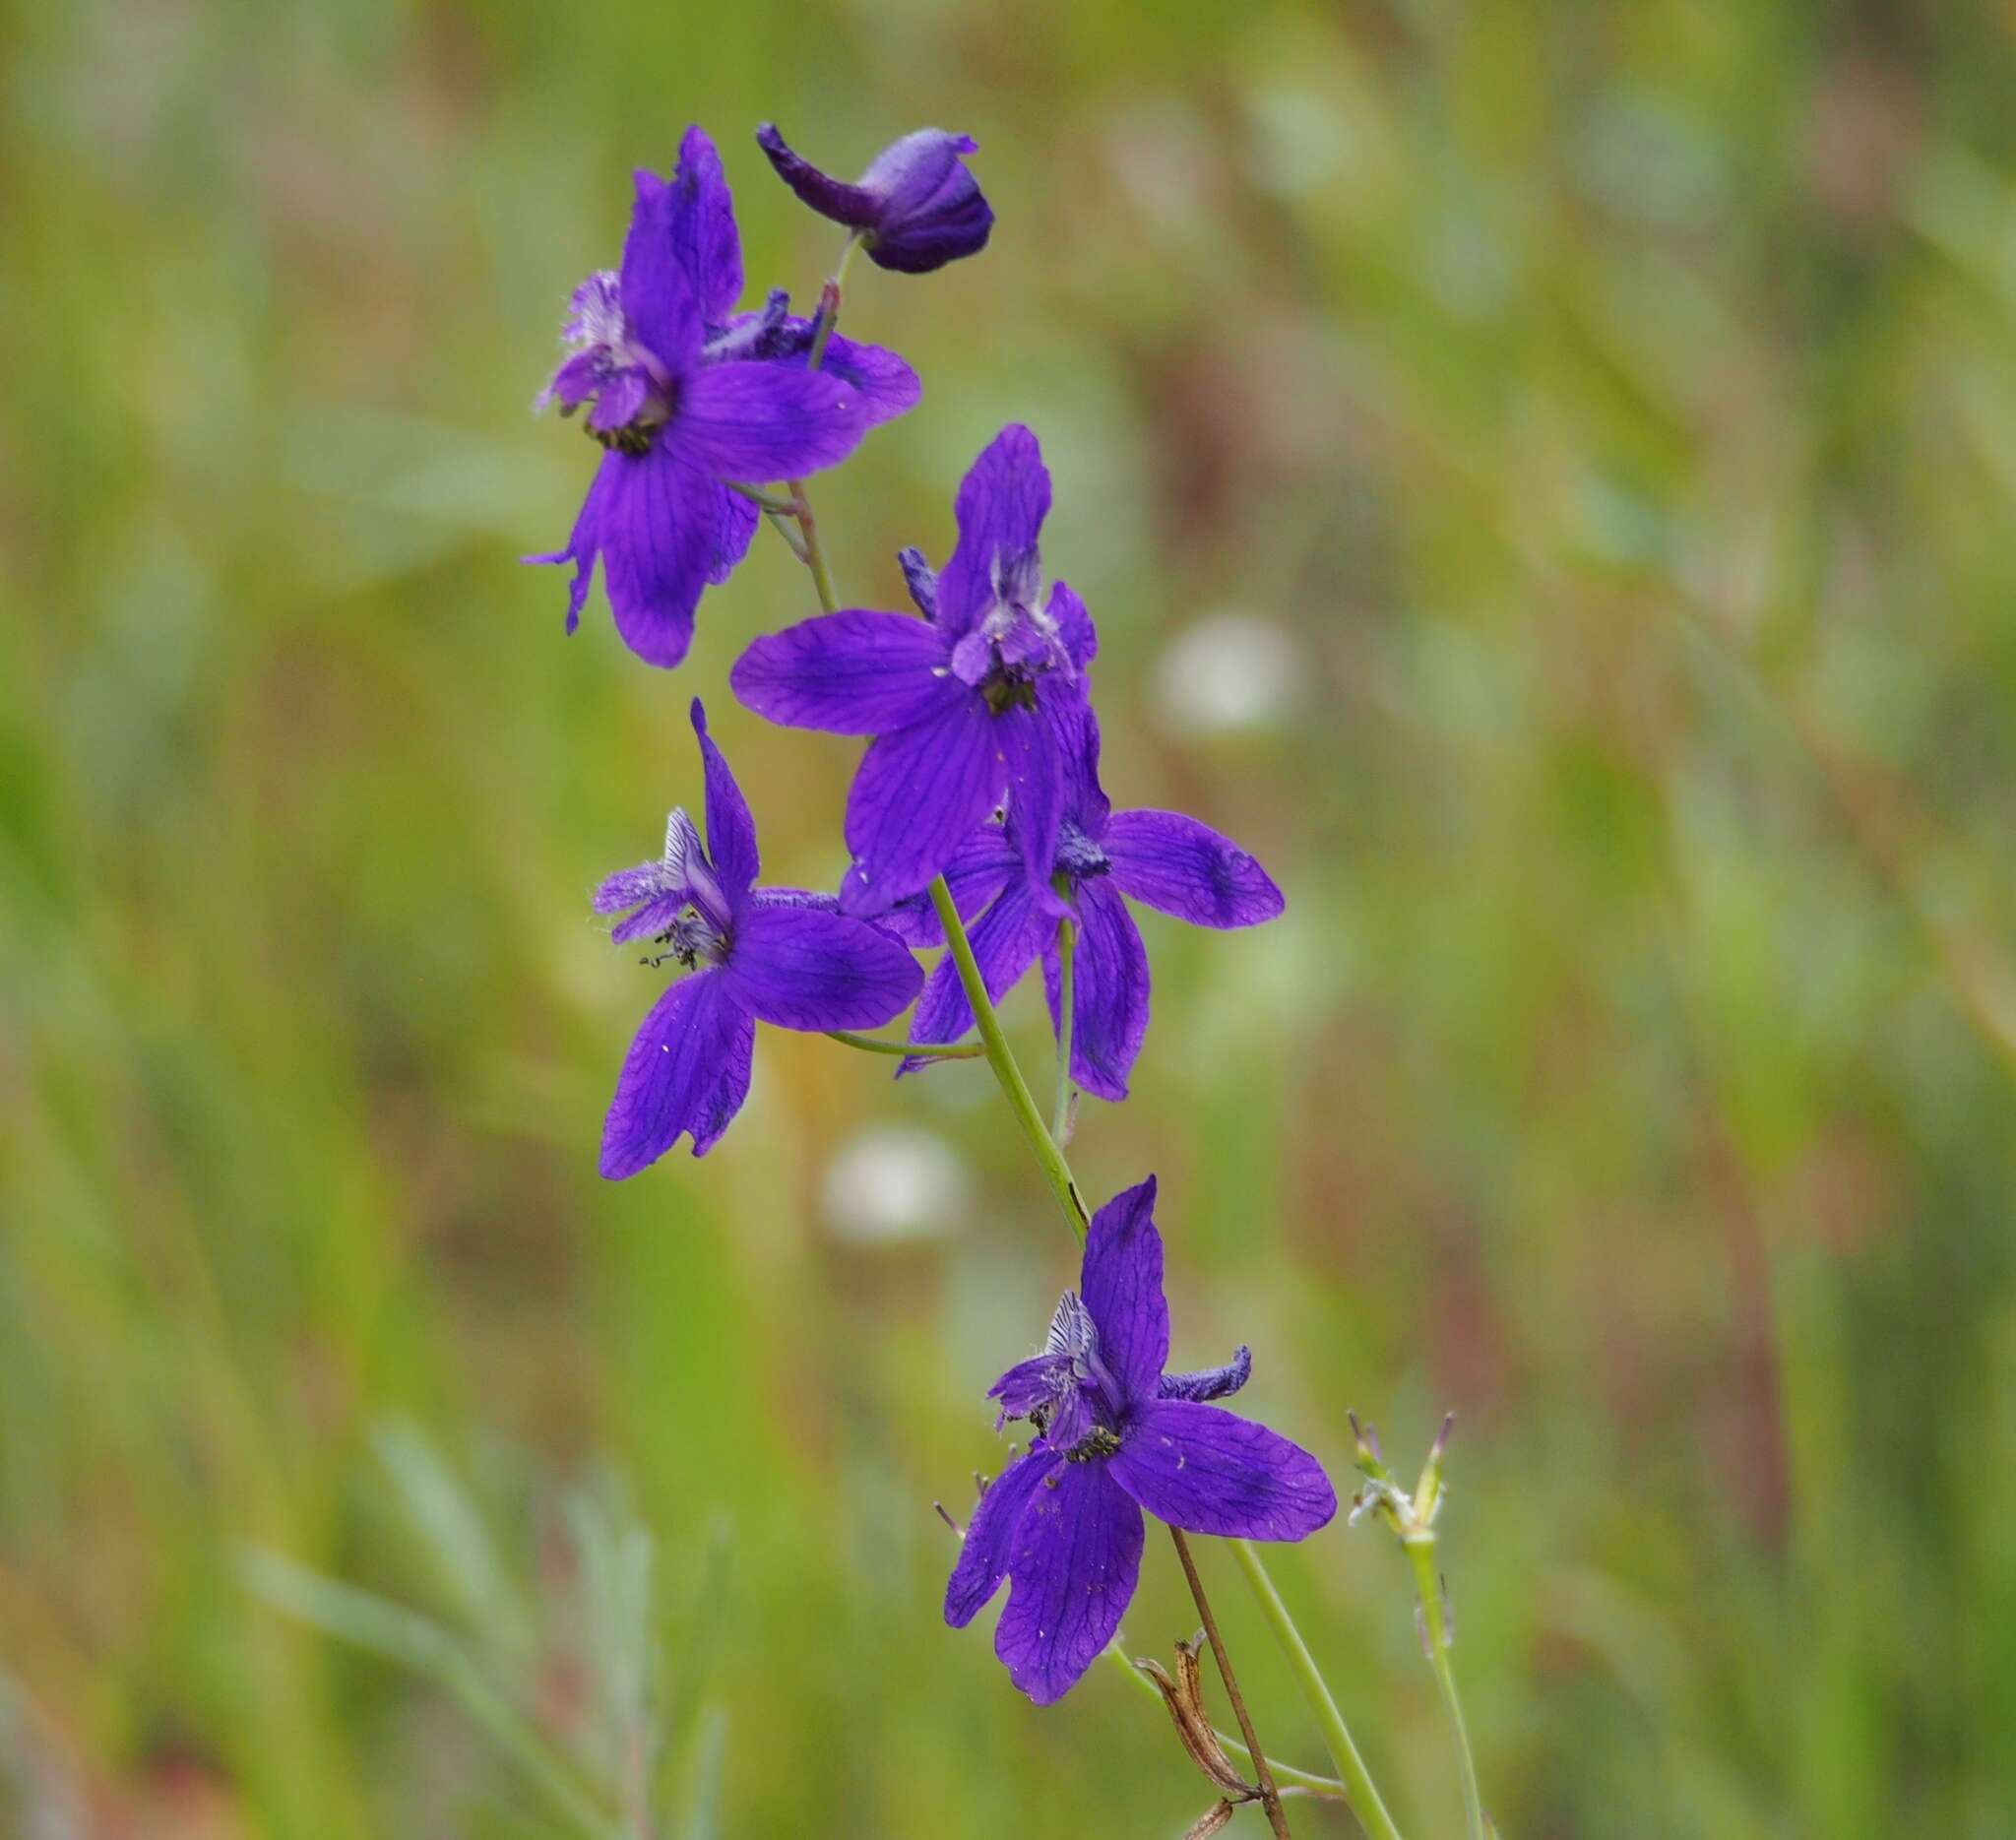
687	393
916	208
1114	1435
979	699
1162	859
775	955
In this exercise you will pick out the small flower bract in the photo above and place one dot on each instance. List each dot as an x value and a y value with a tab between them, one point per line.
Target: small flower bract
773	955
1114	1435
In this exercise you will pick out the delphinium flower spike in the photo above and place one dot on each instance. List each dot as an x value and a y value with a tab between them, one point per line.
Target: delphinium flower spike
775	955
687	396
916	208
1114	1435
974	703
1161	858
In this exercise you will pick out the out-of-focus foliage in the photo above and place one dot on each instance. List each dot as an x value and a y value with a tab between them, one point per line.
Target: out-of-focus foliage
1544	475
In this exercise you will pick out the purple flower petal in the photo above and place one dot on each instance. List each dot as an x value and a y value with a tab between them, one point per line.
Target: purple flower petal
1002	506
1121	1287
985	865
884	381
659	300
1074	1557
701	221
1186	868
856	673
1210	1382
852	205
916	796
583	542
1084	800
1108	992
990	1534
1037	743
751	420
736	517
656	526
1074	624
921	578
687	1072
1208	1471
933	210
802	969
1005	941
731	830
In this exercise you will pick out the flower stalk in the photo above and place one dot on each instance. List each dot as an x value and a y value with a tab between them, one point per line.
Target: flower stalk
1412	1518
1270	1796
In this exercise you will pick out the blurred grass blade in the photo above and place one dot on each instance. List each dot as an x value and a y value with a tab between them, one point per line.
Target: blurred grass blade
387	1629
457	1540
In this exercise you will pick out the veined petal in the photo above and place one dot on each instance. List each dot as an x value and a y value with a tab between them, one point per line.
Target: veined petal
1186	868
803	969
583	542
1208	1471
736	517
855	673
655	526
686	1073
1002	506
1122	1289
1035	743
1074	1557
701	221
1084	800
916	796
979	869
731	830
1005	941
1108	992
658	301
990	1534
752	421
883	379
1074	624
852	205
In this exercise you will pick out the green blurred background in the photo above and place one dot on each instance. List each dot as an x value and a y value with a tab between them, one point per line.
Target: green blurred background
1546	479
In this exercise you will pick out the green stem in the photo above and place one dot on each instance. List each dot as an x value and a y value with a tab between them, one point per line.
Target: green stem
1001	1057
1285	1773
782	506
1067	948
1357	1780
1420	1551
800	505
921	1051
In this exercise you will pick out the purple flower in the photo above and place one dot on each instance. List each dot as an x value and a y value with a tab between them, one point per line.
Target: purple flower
1116	1434
773	955
1161	858
686	395
916	207
977	699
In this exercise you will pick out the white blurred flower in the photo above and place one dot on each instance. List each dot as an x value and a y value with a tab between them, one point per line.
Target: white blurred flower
894	1183
1229	670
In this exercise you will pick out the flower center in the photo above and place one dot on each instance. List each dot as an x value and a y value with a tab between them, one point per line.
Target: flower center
693	939
1078	856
